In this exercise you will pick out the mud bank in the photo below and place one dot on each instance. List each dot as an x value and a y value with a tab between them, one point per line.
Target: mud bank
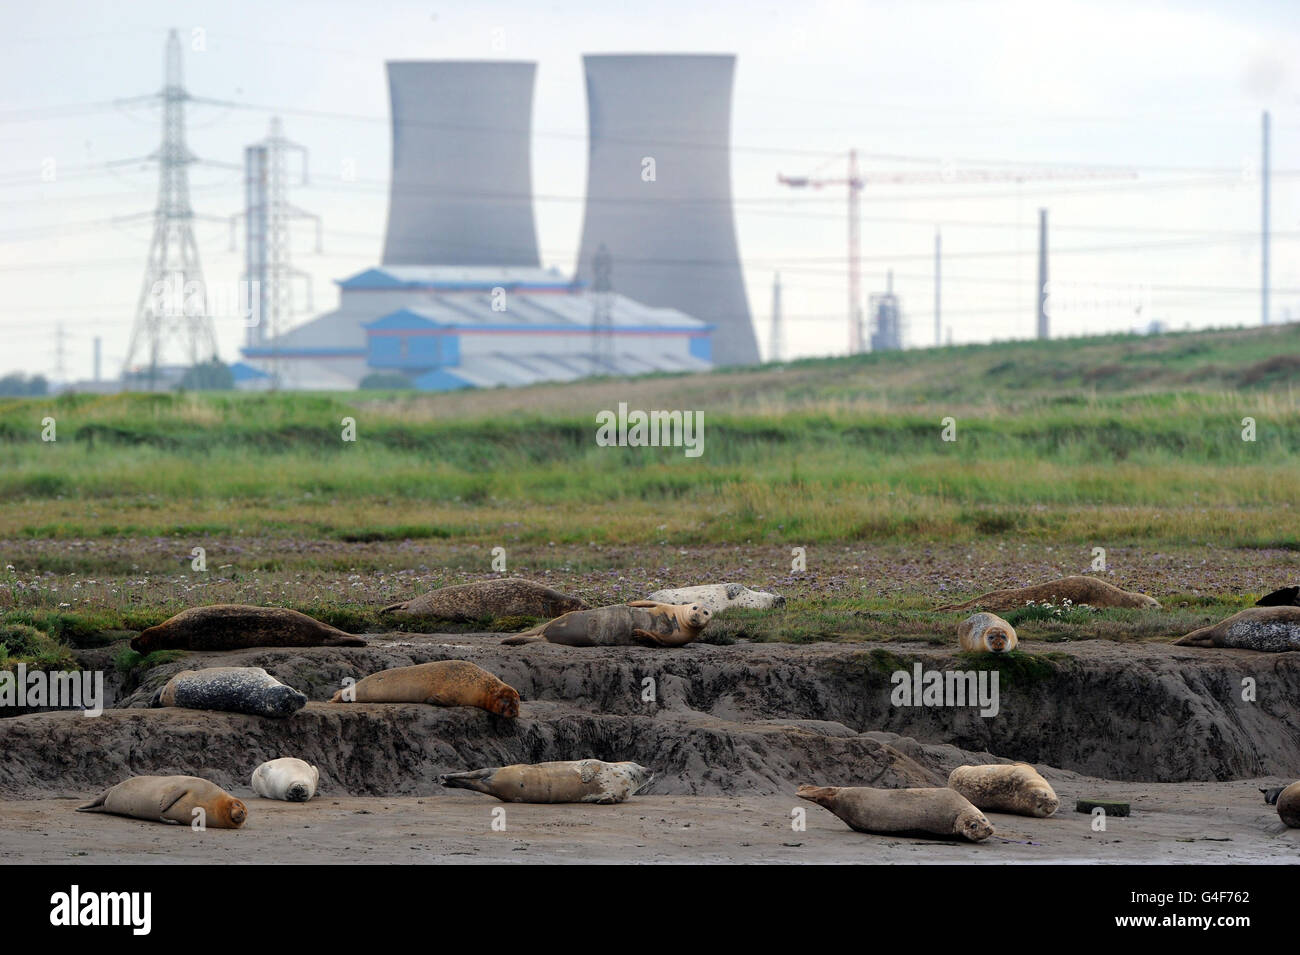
747	719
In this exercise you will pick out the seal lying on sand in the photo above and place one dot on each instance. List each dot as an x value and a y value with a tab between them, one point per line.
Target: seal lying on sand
513	597
902	812
231	689
287	778
580	780
719	597
171	799
440	683
1016	788
1288	805
237	627
639	622
1270	795
1078	590
986	633
1271	629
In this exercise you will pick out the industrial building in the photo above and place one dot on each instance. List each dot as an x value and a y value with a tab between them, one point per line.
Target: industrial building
460	300
448	327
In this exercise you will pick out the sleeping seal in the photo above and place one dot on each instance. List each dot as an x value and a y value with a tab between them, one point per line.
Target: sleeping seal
719	597
230	689
1077	590
1270	629
902	812
237	627
171	799
579	780
644	622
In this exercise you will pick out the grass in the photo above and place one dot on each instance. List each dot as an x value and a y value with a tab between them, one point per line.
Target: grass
1129	441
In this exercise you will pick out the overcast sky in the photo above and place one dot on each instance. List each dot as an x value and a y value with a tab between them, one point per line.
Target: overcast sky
1170	92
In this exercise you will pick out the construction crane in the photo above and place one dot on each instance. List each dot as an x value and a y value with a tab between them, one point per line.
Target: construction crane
856	181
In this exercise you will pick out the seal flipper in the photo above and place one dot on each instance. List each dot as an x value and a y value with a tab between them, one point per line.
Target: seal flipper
393	608
471	780
646	638
96	804
1197	638
172	797
535	635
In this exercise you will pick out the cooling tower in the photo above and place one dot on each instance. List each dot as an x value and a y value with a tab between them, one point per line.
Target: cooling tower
461	189
671	239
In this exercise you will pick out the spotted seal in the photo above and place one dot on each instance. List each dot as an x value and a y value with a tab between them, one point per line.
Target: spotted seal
719	597
231	689
1270	629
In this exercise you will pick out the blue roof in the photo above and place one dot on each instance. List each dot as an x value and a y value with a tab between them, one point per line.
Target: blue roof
245	372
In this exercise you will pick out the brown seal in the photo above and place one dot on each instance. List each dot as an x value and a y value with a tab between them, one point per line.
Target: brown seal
645	622
513	597
1077	590
986	633
1270	629
171	799
902	812
237	627
441	683
1288	805
1017	788
579	780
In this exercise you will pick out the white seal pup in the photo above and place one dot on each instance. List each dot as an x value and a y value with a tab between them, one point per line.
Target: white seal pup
287	778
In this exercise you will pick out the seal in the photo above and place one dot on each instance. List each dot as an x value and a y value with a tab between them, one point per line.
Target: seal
645	622
718	597
1270	629
237	627
441	683
231	689
1077	590
579	780
1017	788
1288	805
986	633
287	778
1284	597
512	597
1270	795
902	812
171	799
